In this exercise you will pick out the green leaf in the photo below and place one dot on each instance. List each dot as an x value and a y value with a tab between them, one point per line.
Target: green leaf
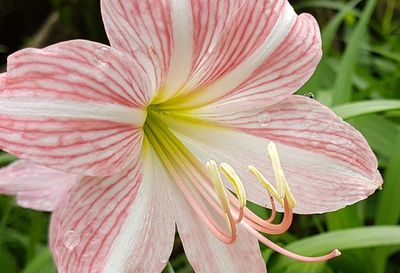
6	158
343	239
330	30
342	89
379	131
7	261
388	210
347	217
306	267
169	268
38	224
319	4
42	262
351	110
324	69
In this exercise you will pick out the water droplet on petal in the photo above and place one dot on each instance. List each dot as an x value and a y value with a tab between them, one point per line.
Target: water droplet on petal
71	239
264	119
103	53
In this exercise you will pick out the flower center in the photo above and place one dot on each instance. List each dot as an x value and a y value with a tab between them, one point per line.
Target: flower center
203	188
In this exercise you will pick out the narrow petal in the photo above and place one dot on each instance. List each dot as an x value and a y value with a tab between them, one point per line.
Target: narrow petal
204	251
323	172
36	187
118	224
76	106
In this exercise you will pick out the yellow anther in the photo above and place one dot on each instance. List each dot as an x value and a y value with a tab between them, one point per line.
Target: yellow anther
277	167
281	182
236	182
290	197
219	187
266	184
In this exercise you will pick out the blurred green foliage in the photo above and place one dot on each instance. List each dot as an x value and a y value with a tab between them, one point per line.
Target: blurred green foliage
359	76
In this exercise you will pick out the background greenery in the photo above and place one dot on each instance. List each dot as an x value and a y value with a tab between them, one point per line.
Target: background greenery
359	77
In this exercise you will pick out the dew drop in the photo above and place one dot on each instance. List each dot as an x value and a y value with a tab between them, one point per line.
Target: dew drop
71	239
103	53
264	119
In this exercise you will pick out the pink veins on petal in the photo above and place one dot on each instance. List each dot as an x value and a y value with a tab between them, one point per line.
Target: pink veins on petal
188	115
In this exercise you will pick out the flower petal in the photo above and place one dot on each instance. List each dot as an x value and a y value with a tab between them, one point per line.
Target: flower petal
36	187
75	106
204	251
159	28
328	164
118	224
265	78
217	49
3	80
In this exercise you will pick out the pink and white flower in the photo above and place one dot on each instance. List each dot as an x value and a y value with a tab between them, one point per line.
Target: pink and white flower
141	124
36	187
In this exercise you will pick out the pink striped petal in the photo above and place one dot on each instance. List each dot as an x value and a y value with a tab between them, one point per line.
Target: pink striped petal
306	124
219	47
76	106
3	80
133	25
118	224
328	164
205	252
262	81
36	187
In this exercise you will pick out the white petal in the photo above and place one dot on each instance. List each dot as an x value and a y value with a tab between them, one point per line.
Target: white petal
118	224
36	187
204	251
318	182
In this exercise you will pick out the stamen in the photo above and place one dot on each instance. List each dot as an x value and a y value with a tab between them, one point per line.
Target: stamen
333	254
215	177
277	168
266	184
281	182
266	226
237	184
161	141
289	196
273	210
207	184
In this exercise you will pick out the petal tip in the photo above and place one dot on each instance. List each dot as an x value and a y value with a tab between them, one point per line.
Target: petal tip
377	180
